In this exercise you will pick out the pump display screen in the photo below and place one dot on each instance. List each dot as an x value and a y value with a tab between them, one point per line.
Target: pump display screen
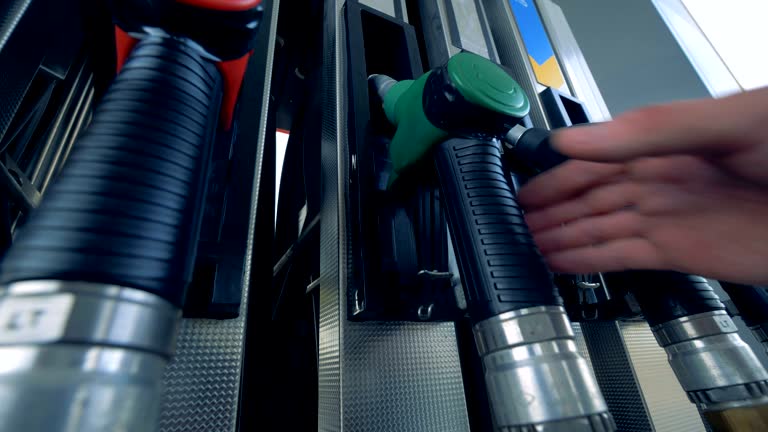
537	44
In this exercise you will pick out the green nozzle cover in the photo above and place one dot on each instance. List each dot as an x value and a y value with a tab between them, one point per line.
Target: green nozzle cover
485	84
415	135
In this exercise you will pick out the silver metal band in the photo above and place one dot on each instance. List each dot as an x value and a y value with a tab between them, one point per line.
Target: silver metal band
714	365
522	326
694	327
717	361
513	136
529	355
541	383
73	387
50	311
82	357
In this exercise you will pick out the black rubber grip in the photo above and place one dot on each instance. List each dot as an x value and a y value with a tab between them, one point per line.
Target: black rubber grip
664	295
751	301
534	151
501	269
127	206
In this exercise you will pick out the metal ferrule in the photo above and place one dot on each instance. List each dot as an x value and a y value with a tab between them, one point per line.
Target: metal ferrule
694	327
382	84
535	376
513	136
714	365
87	357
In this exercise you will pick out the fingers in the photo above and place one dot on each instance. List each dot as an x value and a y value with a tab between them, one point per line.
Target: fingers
616	255
673	169
601	200
704	127
590	231
586	188
568	180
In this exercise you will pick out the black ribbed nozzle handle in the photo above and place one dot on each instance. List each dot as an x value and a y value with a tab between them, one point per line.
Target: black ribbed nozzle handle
126	208
501	269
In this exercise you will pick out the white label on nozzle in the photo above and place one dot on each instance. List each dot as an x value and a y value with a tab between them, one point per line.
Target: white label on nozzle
34	318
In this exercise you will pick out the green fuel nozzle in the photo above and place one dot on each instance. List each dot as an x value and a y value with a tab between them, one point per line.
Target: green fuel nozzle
469	96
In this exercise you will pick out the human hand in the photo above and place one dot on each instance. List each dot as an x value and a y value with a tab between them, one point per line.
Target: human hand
678	187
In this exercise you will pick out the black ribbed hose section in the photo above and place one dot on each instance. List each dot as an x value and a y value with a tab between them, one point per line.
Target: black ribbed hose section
501	268
665	296
126	208
751	301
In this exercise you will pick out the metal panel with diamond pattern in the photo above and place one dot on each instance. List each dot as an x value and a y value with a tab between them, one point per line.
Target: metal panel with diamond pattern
202	382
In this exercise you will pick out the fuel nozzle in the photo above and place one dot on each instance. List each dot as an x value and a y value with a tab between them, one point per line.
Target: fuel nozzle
457	116
468	97
716	368
381	84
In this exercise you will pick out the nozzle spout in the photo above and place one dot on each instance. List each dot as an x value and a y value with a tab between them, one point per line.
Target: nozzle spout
382	84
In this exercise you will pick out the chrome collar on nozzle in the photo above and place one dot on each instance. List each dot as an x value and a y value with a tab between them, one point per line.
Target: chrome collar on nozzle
536	378
82	356
714	365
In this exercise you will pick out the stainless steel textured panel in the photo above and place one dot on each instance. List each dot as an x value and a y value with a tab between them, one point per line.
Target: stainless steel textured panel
333	253
402	376
613	370
581	344
10	16
202	383
12	82
372	376
667	403
513	54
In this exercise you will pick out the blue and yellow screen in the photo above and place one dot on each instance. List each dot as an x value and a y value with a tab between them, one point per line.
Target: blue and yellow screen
540	52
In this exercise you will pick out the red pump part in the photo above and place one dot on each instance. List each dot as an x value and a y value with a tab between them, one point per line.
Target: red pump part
231	69
124	44
232	73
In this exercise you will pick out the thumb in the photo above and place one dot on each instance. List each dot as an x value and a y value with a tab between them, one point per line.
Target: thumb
702	127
